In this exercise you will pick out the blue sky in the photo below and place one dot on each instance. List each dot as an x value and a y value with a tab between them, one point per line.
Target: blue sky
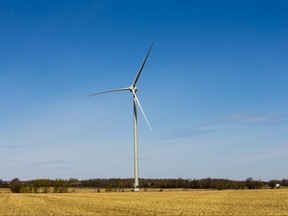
214	88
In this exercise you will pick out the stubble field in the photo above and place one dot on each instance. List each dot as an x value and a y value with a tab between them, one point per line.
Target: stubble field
195	202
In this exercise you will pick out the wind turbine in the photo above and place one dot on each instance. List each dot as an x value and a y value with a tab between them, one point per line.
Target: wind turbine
133	89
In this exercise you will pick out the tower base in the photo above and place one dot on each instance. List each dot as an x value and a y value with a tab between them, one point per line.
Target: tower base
136	189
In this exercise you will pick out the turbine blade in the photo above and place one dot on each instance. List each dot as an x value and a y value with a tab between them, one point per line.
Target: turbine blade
113	90
142	110
142	66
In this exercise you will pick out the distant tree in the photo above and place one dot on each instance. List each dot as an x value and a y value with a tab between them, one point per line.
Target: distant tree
36	185
258	184
122	185
284	182
30	187
272	183
45	184
15	185
60	186
220	184
109	187
73	182
250	183
4	184
233	185
207	183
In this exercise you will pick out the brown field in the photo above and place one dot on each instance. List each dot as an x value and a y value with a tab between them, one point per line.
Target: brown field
193	202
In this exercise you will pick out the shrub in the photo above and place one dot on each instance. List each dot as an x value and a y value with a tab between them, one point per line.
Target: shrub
15	185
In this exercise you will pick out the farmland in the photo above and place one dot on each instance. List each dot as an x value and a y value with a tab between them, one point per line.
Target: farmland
168	202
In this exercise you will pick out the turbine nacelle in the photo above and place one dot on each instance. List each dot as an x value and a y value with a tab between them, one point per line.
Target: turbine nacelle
133	88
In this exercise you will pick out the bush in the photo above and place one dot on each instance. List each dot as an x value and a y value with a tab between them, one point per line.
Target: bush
15	185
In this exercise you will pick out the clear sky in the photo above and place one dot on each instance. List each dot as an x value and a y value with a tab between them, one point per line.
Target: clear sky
214	88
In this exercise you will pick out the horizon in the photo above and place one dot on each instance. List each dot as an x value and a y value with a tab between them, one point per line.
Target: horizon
132	179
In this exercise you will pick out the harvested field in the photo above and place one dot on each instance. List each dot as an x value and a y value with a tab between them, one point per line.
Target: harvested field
195	202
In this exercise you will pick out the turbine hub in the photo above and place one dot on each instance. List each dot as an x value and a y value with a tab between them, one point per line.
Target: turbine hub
133	88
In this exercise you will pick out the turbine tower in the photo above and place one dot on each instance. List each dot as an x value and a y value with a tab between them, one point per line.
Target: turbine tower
133	90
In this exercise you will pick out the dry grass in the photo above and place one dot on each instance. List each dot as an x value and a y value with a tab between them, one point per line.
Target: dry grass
240	202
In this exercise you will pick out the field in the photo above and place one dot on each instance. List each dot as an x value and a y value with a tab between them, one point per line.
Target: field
194	202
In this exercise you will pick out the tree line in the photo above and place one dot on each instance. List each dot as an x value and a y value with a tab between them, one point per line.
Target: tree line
39	186
207	183
62	185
